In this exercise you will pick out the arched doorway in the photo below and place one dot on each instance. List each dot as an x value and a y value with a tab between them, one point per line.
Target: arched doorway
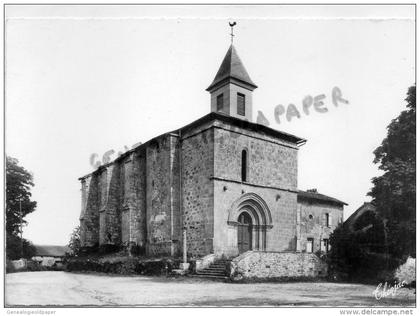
249	218
244	232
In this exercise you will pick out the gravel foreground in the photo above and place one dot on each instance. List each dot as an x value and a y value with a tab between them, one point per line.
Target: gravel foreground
57	288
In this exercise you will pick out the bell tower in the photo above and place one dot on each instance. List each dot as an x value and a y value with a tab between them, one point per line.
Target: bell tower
231	89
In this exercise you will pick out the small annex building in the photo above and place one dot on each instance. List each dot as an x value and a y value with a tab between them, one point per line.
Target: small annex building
49	256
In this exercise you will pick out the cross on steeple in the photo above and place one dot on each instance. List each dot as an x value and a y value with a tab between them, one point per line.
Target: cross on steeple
231	31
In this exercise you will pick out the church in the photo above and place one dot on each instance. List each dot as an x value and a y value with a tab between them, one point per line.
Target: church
227	183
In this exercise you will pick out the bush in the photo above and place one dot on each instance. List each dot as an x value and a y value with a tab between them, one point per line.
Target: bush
14	247
156	267
9	266
75	244
124	265
374	268
407	271
88	250
109	248
360	256
137	250
33	266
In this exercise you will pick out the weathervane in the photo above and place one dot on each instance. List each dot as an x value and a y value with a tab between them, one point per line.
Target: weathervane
231	31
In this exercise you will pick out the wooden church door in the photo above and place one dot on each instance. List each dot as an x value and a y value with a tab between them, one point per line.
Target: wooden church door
244	233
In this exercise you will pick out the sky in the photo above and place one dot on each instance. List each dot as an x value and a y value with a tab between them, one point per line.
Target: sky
87	79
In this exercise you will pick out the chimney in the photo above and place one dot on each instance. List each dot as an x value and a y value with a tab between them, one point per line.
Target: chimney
312	190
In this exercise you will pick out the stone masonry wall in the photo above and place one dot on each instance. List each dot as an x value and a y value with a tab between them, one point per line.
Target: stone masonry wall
197	192
175	186
113	218
125	171
272	175
103	192
135	200
82	218
109	223
162	196
114	203
282	205
315	227
133	197
138	199
89	219
271	162
262	265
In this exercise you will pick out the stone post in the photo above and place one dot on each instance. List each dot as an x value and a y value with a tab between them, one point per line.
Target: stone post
184	245
184	265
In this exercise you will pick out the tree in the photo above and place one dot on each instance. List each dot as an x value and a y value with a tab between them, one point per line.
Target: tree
344	255
14	248
74	243
382	241
394	192
358	256
18	204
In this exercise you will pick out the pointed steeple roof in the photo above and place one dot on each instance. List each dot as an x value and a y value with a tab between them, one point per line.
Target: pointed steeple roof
232	69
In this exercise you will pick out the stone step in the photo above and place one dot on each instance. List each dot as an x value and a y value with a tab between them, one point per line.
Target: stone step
216	268
216	277
210	273
212	268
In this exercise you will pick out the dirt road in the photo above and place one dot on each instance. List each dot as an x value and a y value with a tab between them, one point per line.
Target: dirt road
62	288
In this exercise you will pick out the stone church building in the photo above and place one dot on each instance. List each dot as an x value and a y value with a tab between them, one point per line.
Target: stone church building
230	183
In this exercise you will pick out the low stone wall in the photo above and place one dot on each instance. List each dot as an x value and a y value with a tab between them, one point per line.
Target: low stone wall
276	265
204	262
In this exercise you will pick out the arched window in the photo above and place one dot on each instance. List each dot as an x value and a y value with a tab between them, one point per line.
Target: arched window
244	165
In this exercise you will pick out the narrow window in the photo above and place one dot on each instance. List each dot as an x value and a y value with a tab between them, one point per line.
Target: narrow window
220	102
241	104
244	165
327	219
325	245
310	245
